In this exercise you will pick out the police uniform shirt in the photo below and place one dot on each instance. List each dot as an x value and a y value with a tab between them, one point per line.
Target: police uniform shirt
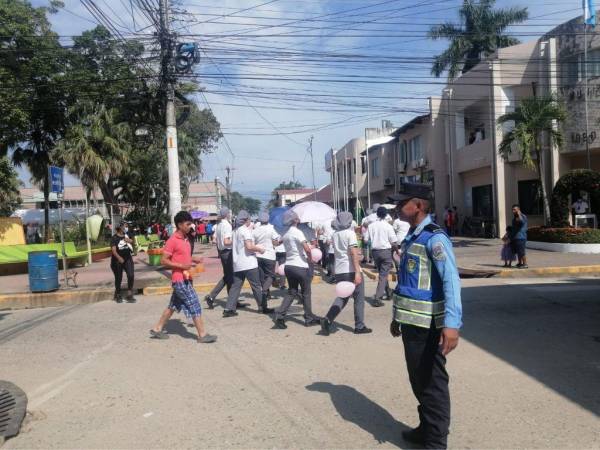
243	259
381	235
293	241
223	232
343	241
264	235
439	251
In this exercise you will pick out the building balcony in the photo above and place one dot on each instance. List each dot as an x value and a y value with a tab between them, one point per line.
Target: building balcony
473	156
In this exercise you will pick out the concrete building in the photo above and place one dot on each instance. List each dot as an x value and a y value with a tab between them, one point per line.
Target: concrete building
206	196
455	147
288	196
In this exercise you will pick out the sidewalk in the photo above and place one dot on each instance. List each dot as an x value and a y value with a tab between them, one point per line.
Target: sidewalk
483	255
96	282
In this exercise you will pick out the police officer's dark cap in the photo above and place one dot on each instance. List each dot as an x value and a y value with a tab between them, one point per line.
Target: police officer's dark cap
411	190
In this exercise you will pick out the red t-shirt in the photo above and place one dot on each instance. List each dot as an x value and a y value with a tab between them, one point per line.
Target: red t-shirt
179	249
201	228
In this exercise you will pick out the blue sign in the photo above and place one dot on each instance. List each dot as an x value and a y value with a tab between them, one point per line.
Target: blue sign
56	179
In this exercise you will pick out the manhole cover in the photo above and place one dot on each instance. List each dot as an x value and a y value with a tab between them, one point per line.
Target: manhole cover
13	404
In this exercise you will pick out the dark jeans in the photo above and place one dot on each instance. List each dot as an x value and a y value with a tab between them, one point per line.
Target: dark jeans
296	277
519	247
429	381
323	247
359	301
118	269
253	278
226	257
266	269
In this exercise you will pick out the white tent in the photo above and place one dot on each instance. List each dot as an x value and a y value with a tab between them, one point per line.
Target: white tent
36	216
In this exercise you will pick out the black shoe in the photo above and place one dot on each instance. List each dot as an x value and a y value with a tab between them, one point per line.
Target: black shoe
265	310
228	313
524	266
518	266
118	298
280	324
415	435
377	303
210	302
363	330
311	322
325	326
130	299
242	305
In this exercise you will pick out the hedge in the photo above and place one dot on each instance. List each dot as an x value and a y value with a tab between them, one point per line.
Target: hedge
567	235
576	180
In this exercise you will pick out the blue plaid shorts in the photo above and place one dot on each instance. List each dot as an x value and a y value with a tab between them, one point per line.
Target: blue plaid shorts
184	298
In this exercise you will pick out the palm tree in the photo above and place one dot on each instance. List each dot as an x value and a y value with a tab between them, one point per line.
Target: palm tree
534	117
480	33
95	148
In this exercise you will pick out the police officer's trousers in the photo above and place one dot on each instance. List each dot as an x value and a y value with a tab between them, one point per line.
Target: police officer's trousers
297	277
226	257
253	277
429	381
359	301
383	263
266	268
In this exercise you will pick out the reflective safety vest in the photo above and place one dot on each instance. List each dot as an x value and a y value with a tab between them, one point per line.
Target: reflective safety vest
419	295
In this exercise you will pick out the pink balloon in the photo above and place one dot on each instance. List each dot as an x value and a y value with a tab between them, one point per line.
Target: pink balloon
280	270
344	289
316	255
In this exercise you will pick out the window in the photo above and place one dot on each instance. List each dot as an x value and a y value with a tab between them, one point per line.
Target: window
363	164
530	197
402	156
354	166
414	148
483	203
375	169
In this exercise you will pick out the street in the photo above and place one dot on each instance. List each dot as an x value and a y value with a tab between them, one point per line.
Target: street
526	374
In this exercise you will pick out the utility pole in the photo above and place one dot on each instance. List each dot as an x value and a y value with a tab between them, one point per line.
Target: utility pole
217	193
312	163
228	186
293	173
168	80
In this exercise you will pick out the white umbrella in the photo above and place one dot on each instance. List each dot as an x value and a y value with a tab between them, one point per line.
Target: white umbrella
314	212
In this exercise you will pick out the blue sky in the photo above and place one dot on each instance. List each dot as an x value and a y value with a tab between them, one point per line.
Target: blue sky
278	73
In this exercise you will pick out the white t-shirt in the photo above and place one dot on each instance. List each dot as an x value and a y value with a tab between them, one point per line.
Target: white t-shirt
223	232
293	241
308	232
264	235
280	248
343	241
243	259
401	229
580	207
381	235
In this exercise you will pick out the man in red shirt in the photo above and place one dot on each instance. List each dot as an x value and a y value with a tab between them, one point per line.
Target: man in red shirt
177	256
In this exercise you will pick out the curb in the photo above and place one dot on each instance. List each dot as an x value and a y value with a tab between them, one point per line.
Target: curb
550	271
374	275
28	300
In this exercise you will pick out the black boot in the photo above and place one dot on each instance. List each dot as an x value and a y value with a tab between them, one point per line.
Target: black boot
415	435
264	309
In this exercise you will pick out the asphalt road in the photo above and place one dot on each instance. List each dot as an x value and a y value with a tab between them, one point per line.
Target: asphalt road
526	374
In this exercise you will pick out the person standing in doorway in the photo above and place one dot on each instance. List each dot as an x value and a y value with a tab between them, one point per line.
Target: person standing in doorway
223	240
266	237
177	256
297	272
245	266
427	313
518	238
347	268
383	241
122	260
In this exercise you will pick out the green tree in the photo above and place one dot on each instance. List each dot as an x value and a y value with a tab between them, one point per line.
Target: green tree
480	33
239	202
283	186
10	198
95	148
533	118
33	97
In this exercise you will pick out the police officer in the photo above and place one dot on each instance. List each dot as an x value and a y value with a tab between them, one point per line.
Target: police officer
383	242
223	235
427	312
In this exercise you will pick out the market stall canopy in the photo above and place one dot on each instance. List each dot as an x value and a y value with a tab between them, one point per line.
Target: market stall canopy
36	216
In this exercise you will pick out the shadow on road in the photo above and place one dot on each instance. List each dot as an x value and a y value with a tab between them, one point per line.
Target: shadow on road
176	326
355	407
549	331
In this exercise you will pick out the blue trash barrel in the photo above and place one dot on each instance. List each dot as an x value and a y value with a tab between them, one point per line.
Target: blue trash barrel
43	271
